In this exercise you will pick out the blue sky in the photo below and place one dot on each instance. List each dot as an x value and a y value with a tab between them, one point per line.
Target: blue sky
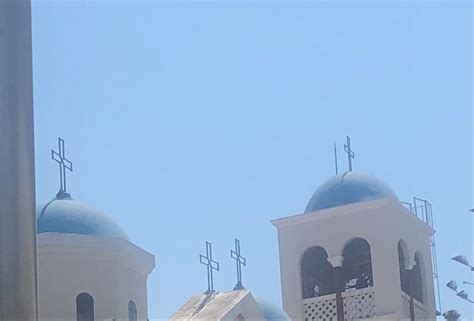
195	121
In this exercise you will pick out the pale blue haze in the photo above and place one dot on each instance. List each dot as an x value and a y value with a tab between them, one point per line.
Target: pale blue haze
195	121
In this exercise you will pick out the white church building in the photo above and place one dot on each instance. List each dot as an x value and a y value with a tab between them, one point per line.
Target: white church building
88	269
355	253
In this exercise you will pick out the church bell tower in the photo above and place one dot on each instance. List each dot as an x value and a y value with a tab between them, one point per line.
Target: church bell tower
356	253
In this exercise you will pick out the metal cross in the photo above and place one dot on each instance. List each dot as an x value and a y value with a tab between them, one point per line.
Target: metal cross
64	163
239	262
350	152
211	265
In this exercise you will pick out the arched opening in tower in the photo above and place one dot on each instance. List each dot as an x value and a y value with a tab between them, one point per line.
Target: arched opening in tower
317	273
357	265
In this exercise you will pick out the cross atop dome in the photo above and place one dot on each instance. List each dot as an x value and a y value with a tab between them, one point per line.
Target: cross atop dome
64	163
350	152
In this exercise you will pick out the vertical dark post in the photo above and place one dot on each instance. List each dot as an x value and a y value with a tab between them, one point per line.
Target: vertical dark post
335	157
339	287
412	300
211	287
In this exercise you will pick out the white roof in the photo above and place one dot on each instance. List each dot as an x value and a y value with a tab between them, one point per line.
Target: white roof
220	306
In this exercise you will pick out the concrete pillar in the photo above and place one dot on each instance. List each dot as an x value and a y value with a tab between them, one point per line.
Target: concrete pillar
18	289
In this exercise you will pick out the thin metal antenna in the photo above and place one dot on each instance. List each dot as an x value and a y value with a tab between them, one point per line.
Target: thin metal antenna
335	157
211	265
350	152
239	262
64	163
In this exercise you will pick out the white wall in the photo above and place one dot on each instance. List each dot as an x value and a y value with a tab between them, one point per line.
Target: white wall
247	307
381	222
112	270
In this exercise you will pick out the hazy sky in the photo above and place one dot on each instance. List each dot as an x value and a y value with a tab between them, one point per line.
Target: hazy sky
195	121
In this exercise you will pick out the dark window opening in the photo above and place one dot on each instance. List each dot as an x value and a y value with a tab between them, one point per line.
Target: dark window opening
84	307
411	280
357	265
404	277
132	311
317	273
417	284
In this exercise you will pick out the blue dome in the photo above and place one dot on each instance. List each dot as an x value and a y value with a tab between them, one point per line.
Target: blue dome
68	216
348	188
272	312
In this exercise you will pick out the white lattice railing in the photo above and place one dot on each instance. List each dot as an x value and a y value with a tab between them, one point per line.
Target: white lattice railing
359	304
420	313
321	308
